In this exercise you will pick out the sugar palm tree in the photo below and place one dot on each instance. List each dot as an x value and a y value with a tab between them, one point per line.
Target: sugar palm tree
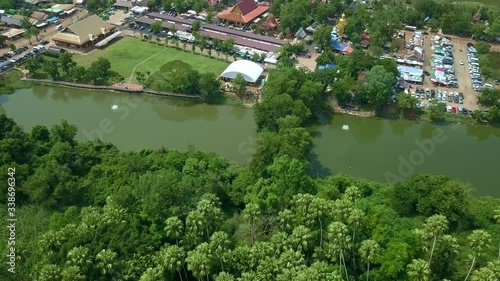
27	35
340	241
172	258
496	216
35	32
151	274
435	226
251	213
368	251
174	228
354	220
219	244
301	238
319	208
478	241
200	261
106	261
418	270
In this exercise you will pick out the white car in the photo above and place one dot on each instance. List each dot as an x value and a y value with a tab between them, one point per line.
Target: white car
461	62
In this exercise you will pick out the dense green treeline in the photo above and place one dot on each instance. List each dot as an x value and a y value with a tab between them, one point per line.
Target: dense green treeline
86	211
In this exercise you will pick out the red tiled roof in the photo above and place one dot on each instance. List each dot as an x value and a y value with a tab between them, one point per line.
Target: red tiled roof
241	18
246	6
348	50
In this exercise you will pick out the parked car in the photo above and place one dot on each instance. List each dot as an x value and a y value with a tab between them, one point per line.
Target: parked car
44	42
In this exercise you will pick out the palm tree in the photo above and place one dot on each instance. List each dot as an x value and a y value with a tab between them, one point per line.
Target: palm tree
352	193
301	238
219	243
484	274
79	256
200	261
435	226
478	241
27	35
50	272
340	241
319	208
368	251
418	270
251	213
72	273
354	221
172	258
224	276
174	228
151	274
35	32
496	217
106	261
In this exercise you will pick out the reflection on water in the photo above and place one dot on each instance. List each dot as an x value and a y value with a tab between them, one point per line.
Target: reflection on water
369	149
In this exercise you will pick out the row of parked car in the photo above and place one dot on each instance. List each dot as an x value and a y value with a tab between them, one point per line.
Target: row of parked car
11	54
14	61
441	96
443	57
475	75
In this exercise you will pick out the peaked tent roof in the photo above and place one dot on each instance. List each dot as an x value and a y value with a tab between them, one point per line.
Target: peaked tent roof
249	69
300	33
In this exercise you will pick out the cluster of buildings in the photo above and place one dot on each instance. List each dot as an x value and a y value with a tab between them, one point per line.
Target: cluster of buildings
39	19
411	66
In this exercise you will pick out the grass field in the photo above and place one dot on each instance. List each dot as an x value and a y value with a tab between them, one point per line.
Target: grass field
128	52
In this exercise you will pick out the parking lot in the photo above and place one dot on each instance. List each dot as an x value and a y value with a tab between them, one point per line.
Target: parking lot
461	73
117	17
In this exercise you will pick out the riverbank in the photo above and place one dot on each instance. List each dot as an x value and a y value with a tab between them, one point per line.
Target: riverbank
119	87
11	81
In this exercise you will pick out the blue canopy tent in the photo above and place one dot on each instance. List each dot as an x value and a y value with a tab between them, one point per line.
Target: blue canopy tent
52	19
337	45
327	66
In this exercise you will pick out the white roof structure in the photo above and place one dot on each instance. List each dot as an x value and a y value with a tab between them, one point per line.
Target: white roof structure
249	69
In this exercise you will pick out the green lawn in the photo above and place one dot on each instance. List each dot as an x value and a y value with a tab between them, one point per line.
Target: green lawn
126	53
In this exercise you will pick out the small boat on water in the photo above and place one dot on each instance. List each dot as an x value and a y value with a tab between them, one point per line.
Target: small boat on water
345	127
114	107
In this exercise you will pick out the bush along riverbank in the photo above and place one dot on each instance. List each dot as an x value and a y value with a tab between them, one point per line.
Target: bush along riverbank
11	81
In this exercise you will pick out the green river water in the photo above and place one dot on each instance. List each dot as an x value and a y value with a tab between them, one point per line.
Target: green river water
374	149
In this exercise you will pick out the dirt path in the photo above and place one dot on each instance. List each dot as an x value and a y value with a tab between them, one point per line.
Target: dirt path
135	67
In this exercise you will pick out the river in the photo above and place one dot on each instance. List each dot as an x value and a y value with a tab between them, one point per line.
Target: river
370	148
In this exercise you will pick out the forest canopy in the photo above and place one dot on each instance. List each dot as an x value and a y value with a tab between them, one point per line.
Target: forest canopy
87	211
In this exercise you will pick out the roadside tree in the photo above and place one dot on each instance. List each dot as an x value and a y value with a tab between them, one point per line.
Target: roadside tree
436	110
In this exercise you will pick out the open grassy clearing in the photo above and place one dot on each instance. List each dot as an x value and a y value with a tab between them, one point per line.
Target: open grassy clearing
128	52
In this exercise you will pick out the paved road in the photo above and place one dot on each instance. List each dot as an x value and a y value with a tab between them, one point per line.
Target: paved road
46	34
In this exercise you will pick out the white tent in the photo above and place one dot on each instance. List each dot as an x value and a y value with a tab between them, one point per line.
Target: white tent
250	70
